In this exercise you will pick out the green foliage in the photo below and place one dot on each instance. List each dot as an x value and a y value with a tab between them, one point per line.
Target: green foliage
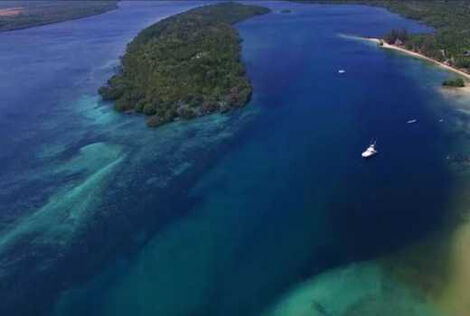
456	82
463	62
397	35
25	13
184	66
451	18
451	41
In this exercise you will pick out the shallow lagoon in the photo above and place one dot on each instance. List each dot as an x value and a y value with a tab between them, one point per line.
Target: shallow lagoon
222	215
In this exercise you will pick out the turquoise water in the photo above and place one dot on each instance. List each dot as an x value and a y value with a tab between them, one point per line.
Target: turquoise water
224	214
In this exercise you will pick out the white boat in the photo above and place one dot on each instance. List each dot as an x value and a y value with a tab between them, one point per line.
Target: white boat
341	71
370	151
411	121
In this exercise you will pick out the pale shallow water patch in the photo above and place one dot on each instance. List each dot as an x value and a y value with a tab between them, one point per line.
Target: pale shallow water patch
91	158
57	221
92	110
361	289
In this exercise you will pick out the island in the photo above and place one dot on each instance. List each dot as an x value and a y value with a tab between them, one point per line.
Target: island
454	83
23	14
184	66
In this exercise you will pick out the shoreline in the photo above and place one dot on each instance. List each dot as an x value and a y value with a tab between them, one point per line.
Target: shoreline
418	55
456	91
55	21
452	293
227	88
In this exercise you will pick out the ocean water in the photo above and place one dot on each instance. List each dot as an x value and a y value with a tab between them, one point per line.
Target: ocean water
226	214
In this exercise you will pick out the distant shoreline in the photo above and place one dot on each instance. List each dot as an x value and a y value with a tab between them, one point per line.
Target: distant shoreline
378	41
418	55
49	12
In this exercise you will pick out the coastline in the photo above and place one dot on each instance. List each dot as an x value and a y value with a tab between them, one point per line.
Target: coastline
175	237
457	92
453	293
197	92
45	21
420	56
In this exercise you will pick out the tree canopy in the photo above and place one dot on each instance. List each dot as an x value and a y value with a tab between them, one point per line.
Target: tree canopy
449	43
184	66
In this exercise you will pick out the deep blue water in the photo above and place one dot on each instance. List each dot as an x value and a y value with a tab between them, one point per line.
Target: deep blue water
221	215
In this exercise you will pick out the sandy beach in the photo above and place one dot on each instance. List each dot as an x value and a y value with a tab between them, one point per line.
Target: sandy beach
462	93
11	11
454	296
421	56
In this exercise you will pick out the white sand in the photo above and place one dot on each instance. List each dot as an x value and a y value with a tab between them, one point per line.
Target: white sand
420	56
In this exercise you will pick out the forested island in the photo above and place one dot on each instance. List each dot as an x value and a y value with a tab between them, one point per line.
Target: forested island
21	14
449	44
184	66
454	83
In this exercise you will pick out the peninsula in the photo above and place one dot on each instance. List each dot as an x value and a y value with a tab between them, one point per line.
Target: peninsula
458	82
26	13
448	45
184	66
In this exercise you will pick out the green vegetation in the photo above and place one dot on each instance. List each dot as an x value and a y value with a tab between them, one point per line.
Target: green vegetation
450	43
185	66
397	37
23	14
456	83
